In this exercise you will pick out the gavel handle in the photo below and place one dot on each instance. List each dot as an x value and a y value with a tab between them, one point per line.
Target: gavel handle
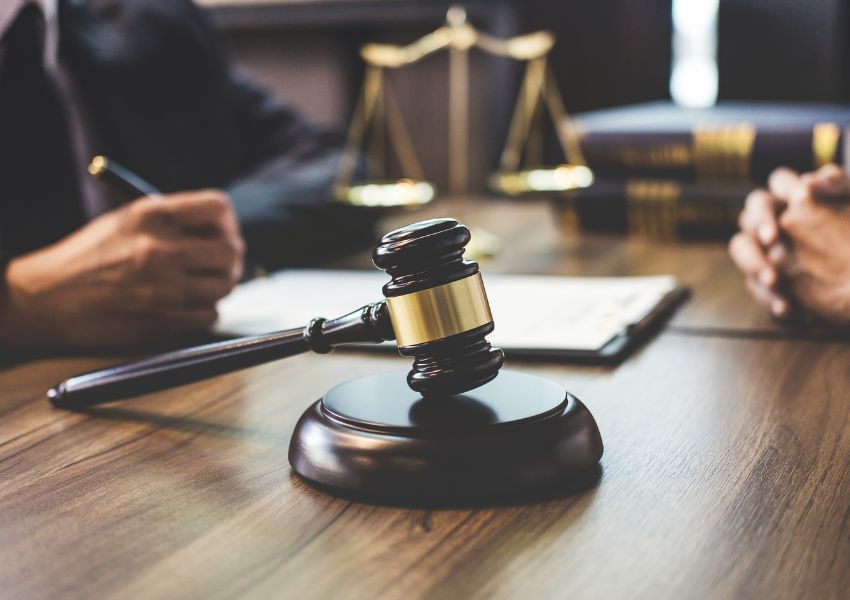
370	323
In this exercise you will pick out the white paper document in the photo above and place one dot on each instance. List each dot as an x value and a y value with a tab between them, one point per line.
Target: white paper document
531	313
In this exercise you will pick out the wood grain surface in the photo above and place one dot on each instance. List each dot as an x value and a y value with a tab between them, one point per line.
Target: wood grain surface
726	473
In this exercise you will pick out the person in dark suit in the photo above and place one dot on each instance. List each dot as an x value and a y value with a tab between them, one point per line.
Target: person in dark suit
145	83
794	244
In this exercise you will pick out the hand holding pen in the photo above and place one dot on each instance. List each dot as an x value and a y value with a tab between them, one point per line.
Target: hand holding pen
141	272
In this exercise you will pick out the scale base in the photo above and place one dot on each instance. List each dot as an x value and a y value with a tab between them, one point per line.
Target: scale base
376	440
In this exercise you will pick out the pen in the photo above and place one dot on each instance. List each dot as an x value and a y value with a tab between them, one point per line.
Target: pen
120	177
134	186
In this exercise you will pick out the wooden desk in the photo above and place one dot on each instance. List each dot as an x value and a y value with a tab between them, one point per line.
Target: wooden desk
726	473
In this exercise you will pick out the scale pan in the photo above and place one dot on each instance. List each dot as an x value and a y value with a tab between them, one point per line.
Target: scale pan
387	194
545	179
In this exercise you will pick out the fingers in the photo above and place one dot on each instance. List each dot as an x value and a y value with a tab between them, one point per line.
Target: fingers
197	211
783	259
206	238
204	212
827	185
762	277
759	217
774	302
800	221
188	272
188	251
212	256
782	182
830	182
749	257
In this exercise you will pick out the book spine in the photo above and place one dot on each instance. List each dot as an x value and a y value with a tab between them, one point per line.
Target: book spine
656	208
717	152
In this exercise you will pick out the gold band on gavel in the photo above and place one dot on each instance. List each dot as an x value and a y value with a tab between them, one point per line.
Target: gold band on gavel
439	312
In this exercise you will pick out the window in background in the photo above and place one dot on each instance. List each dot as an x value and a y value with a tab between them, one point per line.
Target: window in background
693	80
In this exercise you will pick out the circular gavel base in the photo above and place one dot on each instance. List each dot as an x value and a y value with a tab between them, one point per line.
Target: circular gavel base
374	439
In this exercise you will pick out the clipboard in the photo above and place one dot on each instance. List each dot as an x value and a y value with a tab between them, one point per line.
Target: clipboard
577	319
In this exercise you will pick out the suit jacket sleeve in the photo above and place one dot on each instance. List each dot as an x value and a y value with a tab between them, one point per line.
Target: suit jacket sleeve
169	105
283	195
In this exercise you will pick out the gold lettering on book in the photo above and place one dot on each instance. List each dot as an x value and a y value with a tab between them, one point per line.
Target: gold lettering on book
664	156
825	138
723	151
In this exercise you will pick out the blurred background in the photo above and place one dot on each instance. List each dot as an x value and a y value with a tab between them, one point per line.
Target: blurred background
695	54
608	53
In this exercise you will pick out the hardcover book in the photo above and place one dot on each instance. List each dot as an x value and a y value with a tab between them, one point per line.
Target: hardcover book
656	208
732	141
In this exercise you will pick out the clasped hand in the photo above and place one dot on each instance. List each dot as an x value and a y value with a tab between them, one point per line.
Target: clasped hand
153	267
794	244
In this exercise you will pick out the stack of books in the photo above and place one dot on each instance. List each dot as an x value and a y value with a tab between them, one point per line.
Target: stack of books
668	171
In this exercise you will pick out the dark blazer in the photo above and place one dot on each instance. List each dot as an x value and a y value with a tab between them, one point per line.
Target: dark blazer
165	102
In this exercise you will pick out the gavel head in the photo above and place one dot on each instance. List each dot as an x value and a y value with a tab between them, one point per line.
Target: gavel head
438	307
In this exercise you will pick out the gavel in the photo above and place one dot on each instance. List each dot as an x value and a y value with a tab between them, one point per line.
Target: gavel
453	432
435	307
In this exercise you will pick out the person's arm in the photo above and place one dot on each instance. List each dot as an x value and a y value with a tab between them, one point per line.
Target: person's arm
147	270
282	191
283	201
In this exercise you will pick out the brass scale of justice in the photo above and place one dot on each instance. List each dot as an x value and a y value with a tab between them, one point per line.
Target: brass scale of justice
378	113
455	428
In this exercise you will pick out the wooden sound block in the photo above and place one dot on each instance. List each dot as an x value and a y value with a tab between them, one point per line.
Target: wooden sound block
375	439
